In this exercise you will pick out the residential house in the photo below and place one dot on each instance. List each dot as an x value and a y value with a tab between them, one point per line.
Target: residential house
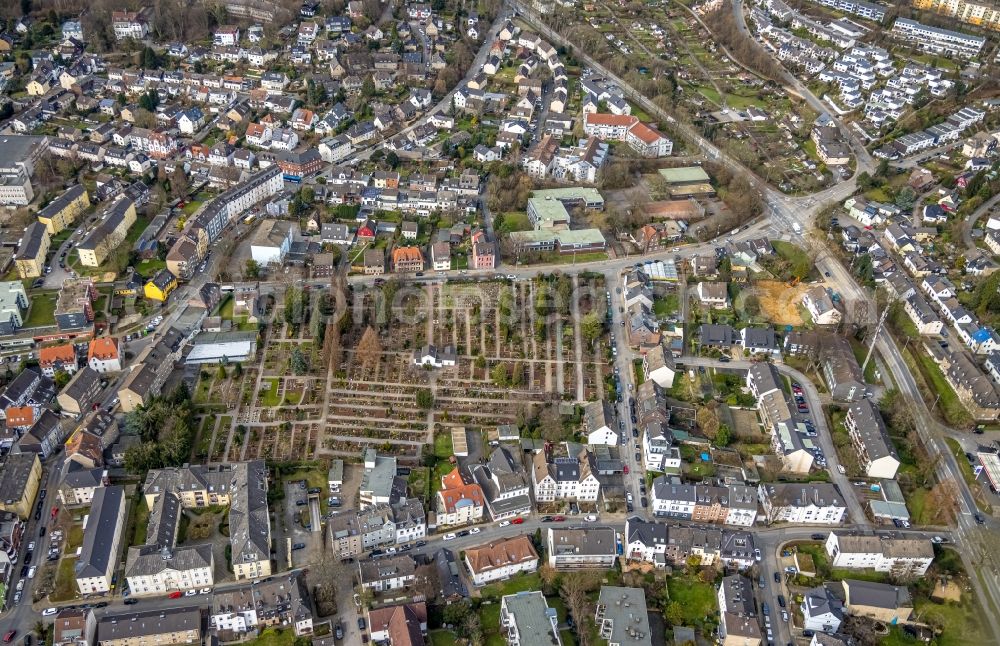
889	604
387	573
810	503
500	559
820	306
581	548
565	478
712	294
738	624
459	502
104	355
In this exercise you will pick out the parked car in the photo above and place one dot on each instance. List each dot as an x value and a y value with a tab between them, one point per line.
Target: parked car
361	623
449	537
299	546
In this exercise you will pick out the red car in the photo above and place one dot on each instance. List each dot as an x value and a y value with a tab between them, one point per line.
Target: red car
626	469
176	594
517	521
9	636
558	519
55	511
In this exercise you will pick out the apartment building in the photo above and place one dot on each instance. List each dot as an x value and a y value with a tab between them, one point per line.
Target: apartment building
236	614
900	556
527	620
74	627
20	480
387	573
460	501
110	232
621	617
500	559
160	565
104	355
63	210
13	306
57	357
221	211
738	624
150	372
101	541
29	259
581	548
565	478
167	626
505	484
808	503
75	304
979	14
870	439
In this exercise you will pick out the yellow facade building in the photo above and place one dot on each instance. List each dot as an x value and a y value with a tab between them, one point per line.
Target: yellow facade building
63	211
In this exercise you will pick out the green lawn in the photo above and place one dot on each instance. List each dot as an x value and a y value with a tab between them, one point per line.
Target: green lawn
64	587
42	310
514	221
273	637
269	392
513	585
226	308
952	409
697	599
664	307
574	258
442	446
148	268
639	113
442	638
139	520
191	207
800	264
960	621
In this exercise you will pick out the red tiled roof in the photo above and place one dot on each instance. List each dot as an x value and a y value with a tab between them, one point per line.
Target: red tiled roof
104	349
50	355
605	119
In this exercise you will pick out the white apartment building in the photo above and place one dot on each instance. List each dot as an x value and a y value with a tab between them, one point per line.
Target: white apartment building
937	40
802	503
898	555
565	478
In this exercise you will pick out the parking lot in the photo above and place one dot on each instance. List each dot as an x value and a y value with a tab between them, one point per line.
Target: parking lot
300	535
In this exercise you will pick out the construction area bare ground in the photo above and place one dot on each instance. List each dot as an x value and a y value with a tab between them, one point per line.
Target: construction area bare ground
779	301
